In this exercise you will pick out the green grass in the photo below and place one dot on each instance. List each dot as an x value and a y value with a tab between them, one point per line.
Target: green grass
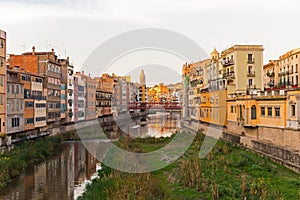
26	154
227	172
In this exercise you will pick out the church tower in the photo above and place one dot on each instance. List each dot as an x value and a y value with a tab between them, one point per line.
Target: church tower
214	55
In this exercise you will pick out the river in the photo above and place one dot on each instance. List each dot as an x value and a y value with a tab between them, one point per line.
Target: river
65	176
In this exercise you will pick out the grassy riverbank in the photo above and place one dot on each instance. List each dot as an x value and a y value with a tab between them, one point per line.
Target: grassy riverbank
227	172
26	154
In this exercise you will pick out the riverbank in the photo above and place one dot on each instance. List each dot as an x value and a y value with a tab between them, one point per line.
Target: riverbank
26	154
283	155
227	172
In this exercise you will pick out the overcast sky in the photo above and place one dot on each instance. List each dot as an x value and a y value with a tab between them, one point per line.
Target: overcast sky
77	27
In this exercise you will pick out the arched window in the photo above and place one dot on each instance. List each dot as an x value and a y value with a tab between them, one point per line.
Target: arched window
253	112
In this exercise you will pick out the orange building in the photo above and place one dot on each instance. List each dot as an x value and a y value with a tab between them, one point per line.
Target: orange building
45	64
104	91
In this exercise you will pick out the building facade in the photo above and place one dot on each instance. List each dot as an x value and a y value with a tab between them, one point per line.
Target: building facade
15	104
104	94
242	65
81	102
2	83
47	65
91	87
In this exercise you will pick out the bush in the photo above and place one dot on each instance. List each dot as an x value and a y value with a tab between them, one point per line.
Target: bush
26	154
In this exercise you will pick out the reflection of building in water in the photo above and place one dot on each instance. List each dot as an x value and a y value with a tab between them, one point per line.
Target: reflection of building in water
79	165
90	165
159	125
56	178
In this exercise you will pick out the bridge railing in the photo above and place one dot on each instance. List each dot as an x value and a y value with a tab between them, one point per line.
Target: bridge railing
173	105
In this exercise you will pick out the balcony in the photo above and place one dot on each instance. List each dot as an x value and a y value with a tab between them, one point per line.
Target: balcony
53	98
229	75
251	74
289	72
227	63
251	61
53	86
270	74
38	97
280	74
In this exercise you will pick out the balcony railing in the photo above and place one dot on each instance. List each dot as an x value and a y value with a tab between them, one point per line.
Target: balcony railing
281	74
289	72
270	74
226	63
38	97
251	61
229	75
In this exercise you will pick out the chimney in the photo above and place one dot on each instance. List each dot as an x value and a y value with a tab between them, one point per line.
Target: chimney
33	50
68	58
53	51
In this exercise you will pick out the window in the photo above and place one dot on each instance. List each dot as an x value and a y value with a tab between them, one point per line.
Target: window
270	111
1	100
38	80
25	78
232	109
26	94
39	119
15	122
277	112
250	58
1	43
29	121
12	89
263	111
250	82
29	104
1	80
253	112
293	110
17	89
40	105
1	62
18	105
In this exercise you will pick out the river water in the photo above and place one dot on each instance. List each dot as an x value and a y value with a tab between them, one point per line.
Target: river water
65	176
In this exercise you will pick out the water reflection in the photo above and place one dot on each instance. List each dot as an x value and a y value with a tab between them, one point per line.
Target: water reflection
66	175
57	178
155	125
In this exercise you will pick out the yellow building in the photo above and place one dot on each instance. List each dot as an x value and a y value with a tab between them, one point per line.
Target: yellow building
271	74
242	65
2	83
159	94
213	107
245	113
271	116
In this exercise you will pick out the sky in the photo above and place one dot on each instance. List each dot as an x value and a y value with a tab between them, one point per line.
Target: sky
75	28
